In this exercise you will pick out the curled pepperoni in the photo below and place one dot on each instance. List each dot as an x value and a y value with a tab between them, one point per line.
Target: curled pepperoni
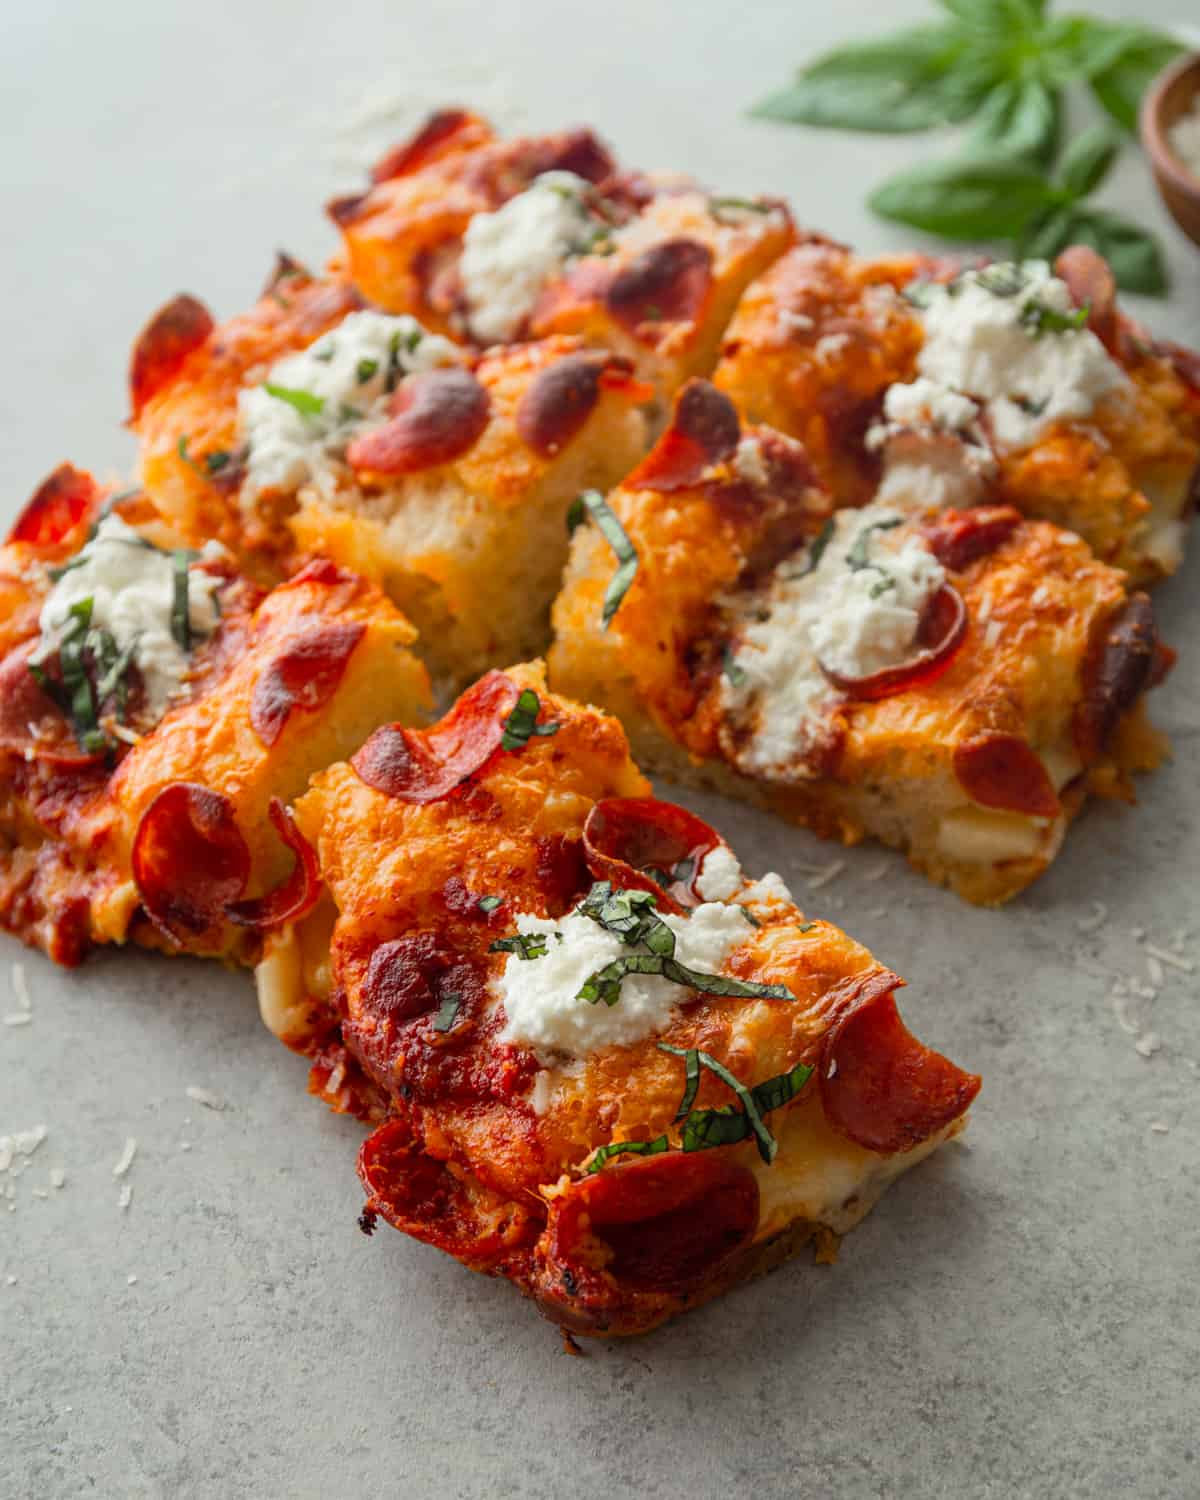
660	1225
579	151
1124	658
1092	285
1185	363
343	211
420	1195
942	631
162	346
304	675
445	133
425	765
403	979
190	861
436	416
668	283
1001	770
298	893
559	401
704	430
960	537
880	1086
58	505
624	838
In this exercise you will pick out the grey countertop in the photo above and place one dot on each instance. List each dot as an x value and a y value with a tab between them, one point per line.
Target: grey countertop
1017	1319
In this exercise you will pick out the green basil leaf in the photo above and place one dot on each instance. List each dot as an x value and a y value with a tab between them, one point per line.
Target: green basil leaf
489	904
1022	117
691	1062
768	1146
966	198
1134	254
1046	234
627	1148
1120	85
629	915
522	724
735	675
1069	48
618	539
181	619
772	1093
447	1011
899	83
1004	19
304	402
527	945
856	557
705	1129
1088	160
723	984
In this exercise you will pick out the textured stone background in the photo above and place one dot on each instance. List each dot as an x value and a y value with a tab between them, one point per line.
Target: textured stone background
1017	1319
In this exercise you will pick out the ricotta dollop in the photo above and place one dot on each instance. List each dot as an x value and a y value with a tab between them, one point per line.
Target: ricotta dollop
539	995
720	876
509	255
131	587
348	376
852	608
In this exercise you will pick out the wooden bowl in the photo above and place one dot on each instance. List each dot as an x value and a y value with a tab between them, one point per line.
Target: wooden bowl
1170	96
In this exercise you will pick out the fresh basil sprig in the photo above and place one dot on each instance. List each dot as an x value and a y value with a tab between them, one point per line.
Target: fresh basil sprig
527	945
592	503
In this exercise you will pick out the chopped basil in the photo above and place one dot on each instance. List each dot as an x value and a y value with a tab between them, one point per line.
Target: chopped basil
212	463
806	927
749	915
706	1128
325	353
816	550
881	587
1004	279
576	515
629	915
366	370
717	206
526	945
628	1148
1039	319
605	983
447	1011
691	1084
735	675
685	871
1030	406
304	402
522	723
918	293
856	557
181	620
618	539
489	903
395	369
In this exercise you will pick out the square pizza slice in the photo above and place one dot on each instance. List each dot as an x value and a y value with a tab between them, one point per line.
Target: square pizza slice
495	241
600	1061
951	682
158	712
919	382
315	426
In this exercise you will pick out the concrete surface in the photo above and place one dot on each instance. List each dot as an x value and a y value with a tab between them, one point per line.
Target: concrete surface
1017	1319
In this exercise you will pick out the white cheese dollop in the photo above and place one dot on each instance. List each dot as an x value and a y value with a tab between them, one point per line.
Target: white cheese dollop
351	371
131	586
856	613
509	255
539	994
720	876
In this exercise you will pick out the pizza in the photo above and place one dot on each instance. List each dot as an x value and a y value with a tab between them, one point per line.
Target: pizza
952	682
599	1060
158	713
314	426
917	381
491	241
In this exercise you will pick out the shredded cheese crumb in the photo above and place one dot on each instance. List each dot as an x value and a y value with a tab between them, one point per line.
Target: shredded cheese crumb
57	1177
1097	919
20	987
205	1097
1148	1044
126	1196
18	1018
1173	960
126	1158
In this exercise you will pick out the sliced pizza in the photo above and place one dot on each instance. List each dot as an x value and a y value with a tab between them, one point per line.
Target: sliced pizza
917	382
313	426
494	241
601	1062
951	682
157	714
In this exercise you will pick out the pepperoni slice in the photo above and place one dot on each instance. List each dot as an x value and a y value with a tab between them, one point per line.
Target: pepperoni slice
880	1086
1124	658
1185	362
189	860
298	893
664	1223
1001	770
1092	285
704	430
436	416
667	283
321	570
559	401
304	675
402	977
942	631
960	537
420	1195
624	838
425	765
58	505
445	133
162	346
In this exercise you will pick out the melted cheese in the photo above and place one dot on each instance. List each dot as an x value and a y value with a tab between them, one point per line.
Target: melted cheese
509	255
857	612
131	588
540	995
351	372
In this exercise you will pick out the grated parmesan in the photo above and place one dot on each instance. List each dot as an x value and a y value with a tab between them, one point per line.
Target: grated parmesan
125	1161
205	1097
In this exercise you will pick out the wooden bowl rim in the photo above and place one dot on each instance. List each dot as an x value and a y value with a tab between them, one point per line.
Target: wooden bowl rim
1154	127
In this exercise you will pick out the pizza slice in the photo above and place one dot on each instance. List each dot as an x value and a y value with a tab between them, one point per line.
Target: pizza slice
951	682
157	714
494	241
916	382
313	426
601	1062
